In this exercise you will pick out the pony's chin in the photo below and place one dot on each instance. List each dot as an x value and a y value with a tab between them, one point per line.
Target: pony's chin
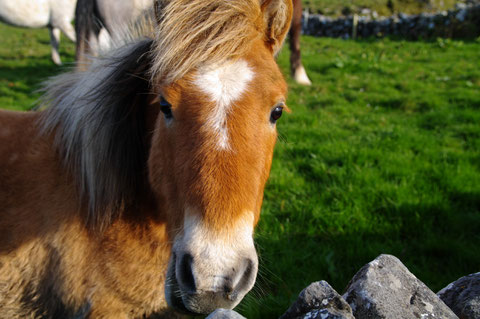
176	303
172	292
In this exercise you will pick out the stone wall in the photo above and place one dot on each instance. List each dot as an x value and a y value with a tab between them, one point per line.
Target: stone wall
384	288
463	22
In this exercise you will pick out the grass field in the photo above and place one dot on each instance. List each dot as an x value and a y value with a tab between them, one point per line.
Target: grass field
380	155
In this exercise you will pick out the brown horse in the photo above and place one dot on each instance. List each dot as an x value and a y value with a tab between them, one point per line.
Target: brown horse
141	183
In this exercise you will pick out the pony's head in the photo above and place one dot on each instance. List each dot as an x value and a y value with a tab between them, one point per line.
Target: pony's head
188	119
212	148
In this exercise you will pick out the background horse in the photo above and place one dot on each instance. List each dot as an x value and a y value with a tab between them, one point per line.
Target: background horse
97	18
297	69
142	182
101	22
55	14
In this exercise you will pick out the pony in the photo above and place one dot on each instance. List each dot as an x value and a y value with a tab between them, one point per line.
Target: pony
57	15
135	190
98	21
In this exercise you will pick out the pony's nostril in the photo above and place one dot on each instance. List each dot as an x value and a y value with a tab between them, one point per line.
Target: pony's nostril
227	288
186	278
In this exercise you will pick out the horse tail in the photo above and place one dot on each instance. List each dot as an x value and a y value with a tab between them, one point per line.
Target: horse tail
87	27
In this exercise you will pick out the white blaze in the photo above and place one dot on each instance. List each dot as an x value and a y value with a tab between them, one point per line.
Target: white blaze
224	85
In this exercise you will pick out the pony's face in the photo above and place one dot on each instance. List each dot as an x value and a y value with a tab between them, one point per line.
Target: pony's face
210	159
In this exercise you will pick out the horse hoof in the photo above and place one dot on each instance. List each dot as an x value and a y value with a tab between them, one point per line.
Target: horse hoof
300	76
57	61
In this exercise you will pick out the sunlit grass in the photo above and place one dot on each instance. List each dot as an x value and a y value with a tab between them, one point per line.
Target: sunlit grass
25	63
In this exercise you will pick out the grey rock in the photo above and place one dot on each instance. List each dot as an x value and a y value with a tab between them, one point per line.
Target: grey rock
463	296
225	314
461	15
384	288
319	301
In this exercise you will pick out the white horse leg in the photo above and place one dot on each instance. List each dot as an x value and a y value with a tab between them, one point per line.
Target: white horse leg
300	75
105	41
55	41
68	29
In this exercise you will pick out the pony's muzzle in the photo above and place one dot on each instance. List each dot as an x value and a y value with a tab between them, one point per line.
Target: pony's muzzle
229	285
198	286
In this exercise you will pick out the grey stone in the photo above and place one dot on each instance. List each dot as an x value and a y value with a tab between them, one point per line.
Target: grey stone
319	300
461	15
463	296
384	288
225	314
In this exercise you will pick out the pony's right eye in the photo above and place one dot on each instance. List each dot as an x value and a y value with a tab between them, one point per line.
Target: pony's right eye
166	108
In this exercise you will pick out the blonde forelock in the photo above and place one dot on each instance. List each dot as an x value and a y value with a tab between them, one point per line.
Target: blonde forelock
191	33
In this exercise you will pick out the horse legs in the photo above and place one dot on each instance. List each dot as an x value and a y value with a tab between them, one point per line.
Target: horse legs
55	41
105	40
297	70
68	29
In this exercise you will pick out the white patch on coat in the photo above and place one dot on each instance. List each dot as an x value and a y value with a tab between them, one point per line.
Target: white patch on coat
224	85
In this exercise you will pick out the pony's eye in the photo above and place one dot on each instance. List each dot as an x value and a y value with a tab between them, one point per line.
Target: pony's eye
276	114
166	108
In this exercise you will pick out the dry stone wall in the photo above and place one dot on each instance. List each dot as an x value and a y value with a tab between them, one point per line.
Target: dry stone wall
383	289
463	22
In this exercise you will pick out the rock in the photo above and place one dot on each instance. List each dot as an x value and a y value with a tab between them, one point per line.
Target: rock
319	300
461	15
384	288
463	296
225	314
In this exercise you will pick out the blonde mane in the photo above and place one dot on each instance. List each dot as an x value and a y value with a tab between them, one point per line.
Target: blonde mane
192	32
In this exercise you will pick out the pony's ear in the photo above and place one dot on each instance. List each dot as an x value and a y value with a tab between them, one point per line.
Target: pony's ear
277	16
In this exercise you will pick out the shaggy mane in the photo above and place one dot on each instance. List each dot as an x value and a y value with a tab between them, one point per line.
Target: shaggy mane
98	121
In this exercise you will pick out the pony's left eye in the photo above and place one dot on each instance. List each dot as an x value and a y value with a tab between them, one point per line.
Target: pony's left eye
276	114
166	108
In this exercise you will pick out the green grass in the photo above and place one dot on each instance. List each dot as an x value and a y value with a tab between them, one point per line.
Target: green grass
380	155
25	62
